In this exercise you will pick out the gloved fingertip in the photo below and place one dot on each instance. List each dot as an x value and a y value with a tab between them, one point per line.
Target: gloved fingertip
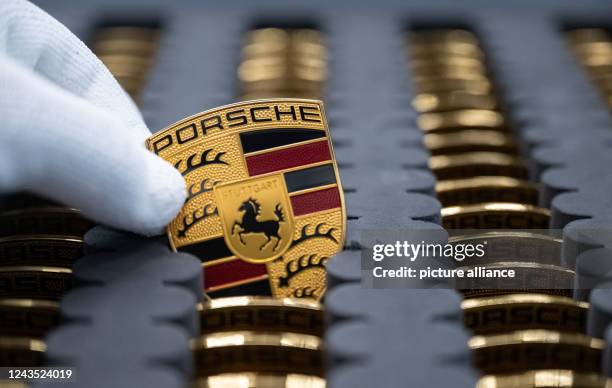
162	200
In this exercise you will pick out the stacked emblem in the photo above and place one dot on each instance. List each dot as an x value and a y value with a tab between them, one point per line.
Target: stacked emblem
279	62
128	51
533	335
593	49
39	242
260	342
264	213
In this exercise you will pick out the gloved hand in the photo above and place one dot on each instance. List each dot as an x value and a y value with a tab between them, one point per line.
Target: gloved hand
69	132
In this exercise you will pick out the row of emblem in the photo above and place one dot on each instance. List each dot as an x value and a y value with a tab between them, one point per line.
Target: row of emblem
592	47
533	335
279	62
128	52
39	243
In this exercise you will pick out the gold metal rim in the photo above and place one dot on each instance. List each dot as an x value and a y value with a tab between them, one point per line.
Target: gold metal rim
250	338
535	336
515	299
254	301
42	237
259	380
483	181
545	378
57	270
494	207
504	234
29	303
32	344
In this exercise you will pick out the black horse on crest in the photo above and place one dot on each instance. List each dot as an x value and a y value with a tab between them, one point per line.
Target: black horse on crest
250	224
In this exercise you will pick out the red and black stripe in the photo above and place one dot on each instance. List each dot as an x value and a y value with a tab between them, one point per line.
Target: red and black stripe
259	288
227	272
311	147
316	201
271	138
252	278
282	159
315	151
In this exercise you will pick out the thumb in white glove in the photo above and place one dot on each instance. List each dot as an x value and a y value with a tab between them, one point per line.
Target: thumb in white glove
69	132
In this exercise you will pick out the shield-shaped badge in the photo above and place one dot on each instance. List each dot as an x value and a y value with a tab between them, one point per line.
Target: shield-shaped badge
256	217
265	208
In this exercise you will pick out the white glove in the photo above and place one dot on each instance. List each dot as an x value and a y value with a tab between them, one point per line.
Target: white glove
69	132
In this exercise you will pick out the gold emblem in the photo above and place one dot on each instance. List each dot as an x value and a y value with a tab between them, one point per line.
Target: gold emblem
506	313
264	352
34	282
24	351
250	379
256	223
482	189
495	215
128	51
544	378
28	317
265	207
302	316
529	277
536	349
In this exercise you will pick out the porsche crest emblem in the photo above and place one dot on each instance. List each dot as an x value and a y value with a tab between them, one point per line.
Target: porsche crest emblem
265	208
